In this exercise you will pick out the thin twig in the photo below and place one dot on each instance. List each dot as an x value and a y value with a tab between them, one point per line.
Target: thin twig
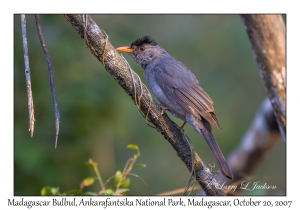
178	191
192	178
50	71
27	75
99	177
84	20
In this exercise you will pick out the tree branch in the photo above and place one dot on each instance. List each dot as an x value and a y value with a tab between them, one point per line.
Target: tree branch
50	71
27	75
267	37
119	69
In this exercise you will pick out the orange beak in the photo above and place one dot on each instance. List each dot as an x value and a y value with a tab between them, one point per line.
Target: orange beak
125	49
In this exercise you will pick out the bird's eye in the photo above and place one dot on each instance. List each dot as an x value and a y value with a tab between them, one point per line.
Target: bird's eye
142	48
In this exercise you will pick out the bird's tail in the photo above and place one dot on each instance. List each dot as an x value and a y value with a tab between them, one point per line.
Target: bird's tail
206	133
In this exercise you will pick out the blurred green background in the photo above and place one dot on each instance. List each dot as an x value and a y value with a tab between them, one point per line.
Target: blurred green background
98	119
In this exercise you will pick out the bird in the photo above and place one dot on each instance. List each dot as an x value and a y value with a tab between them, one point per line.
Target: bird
178	91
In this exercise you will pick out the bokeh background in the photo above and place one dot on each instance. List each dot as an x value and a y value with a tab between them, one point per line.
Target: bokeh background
99	120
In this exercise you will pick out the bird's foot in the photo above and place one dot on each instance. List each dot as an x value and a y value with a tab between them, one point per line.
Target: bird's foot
181	127
163	109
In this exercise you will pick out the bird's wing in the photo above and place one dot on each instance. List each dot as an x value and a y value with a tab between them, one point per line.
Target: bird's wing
184	89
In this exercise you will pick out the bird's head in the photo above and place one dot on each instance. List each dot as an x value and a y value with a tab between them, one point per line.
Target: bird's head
144	50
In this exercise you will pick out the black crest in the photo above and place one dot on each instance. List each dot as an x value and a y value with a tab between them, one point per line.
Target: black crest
144	40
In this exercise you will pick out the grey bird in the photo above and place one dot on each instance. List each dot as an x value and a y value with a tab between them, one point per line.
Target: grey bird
178	91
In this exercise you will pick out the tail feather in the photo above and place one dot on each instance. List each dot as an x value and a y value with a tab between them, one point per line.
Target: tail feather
214	147
203	127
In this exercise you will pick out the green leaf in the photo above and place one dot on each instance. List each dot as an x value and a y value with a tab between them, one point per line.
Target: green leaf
109	192
91	193
55	190
74	192
87	182
46	191
91	163
133	147
79	192
118	178
49	191
141	165
125	183
121	191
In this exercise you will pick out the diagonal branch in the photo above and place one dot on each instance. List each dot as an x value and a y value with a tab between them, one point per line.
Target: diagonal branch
267	37
50	71
119	69
27	75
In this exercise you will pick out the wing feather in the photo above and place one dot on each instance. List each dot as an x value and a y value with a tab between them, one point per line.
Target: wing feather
185	90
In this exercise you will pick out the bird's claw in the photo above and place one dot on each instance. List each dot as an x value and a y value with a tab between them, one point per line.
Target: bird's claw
163	109
181	127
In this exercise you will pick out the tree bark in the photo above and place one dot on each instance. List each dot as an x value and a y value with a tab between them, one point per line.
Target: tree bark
119	69
267	37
